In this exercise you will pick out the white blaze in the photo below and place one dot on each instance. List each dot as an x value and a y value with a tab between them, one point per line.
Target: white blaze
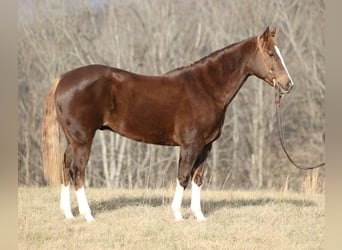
283	62
83	204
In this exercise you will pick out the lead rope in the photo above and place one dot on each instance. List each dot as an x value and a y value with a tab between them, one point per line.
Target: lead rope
278	96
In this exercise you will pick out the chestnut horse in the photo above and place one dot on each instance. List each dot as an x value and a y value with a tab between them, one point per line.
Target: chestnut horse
185	107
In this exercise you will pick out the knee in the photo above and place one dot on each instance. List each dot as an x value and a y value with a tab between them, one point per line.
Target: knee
183	180
198	180
197	175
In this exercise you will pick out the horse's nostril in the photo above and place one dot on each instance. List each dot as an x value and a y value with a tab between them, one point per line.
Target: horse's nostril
290	85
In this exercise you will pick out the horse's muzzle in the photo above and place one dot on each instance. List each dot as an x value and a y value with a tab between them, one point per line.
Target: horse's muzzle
289	86
283	89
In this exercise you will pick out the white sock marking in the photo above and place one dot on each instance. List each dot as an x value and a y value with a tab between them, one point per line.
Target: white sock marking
83	204
65	202
177	202
283	62
196	201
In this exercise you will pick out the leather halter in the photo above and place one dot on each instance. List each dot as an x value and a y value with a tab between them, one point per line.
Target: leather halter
275	83
266	63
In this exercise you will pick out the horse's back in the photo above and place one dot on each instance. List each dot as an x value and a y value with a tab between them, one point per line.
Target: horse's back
153	109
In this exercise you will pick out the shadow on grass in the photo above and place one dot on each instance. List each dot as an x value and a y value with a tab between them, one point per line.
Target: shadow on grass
208	206
121	201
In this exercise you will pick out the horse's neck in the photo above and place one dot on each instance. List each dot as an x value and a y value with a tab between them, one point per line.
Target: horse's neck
226	70
234	70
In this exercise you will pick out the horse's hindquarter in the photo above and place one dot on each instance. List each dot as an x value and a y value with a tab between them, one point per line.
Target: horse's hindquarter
81	97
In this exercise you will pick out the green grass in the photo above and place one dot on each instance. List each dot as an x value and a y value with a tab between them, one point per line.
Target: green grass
142	219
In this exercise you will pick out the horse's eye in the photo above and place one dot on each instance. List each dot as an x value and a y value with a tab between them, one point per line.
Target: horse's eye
271	54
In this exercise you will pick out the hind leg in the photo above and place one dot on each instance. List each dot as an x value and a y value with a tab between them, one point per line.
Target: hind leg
80	159
65	189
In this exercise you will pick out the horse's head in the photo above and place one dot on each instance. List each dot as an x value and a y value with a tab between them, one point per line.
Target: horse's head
270	65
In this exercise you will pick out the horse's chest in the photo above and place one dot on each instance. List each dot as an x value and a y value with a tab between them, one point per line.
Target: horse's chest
203	126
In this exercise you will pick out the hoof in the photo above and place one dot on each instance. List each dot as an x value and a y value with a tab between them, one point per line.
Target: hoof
89	218
199	215
68	215
178	216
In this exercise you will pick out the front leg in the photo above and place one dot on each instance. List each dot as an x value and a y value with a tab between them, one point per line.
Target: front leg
196	202
188	156
196	182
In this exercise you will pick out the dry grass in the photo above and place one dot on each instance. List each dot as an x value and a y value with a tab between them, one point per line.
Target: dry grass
142	219
311	183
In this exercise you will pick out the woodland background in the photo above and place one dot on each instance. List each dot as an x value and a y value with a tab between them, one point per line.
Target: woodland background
153	37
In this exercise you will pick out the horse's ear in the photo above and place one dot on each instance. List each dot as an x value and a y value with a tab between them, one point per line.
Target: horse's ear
266	33
264	36
273	32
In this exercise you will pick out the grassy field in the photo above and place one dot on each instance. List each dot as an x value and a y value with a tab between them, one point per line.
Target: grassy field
142	219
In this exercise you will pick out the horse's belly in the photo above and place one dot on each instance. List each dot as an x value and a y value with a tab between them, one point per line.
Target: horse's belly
152	130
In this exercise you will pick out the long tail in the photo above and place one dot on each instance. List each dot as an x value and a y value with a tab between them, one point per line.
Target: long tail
51	145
